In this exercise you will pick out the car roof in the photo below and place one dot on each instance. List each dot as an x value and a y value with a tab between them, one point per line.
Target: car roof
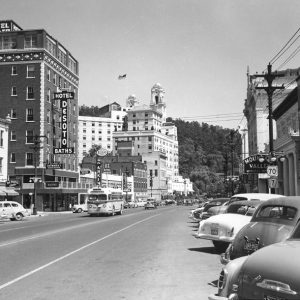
287	201
219	200
254	202
259	196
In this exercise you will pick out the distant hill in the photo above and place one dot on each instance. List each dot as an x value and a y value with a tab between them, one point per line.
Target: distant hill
206	153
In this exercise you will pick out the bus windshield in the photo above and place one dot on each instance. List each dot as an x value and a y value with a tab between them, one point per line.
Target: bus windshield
97	198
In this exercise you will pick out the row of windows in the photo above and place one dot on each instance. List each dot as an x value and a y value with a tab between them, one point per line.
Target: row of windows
29	92
58	80
10	42
29	160
100	124
30	71
99	138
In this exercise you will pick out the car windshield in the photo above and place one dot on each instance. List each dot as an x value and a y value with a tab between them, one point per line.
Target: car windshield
241	209
277	212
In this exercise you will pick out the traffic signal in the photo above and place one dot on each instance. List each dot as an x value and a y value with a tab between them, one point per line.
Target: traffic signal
151	181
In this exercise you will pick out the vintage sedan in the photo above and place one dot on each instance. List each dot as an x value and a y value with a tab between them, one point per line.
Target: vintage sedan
272	272
273	222
212	203
221	229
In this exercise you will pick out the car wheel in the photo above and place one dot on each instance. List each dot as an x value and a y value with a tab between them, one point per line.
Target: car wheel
19	217
79	210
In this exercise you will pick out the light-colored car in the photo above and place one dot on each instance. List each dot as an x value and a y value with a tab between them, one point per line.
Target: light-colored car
141	203
272	272
79	208
13	210
150	204
221	229
132	203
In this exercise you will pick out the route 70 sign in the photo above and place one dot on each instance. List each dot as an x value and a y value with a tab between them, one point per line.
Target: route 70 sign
272	171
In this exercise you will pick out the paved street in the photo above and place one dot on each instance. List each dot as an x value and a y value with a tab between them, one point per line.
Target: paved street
139	255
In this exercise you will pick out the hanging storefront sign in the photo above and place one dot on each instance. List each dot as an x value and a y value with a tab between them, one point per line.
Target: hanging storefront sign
253	165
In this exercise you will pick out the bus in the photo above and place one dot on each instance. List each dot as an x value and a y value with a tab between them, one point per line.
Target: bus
105	201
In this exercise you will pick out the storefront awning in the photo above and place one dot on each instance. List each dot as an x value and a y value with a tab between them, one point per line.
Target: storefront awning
8	192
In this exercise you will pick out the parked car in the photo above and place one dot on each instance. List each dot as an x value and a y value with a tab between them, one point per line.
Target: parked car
211	203
79	208
13	210
221	229
271	272
132	203
195	213
141	203
151	204
272	222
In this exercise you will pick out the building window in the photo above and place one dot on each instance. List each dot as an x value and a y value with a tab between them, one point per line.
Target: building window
133	115
149	138
1	138
13	157
1	159
14	70
54	78
108	131
8	42
13	135
155	162
30	93
48	116
61	55
49	95
30	71
155	173
59	82
29	115
29	136
30	41
29	159
149	147
50	46
48	74
13	91
13	113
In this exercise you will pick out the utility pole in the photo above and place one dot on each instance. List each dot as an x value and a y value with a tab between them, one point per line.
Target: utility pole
269	77
36	147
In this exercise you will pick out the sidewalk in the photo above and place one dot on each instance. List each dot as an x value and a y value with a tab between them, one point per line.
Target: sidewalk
49	213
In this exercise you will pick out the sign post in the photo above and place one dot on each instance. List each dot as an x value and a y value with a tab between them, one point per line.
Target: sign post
100	153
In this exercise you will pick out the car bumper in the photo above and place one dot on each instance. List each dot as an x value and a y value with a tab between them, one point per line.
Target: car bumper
221	238
216	297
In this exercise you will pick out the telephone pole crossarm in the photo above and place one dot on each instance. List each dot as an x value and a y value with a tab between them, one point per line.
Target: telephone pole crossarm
269	77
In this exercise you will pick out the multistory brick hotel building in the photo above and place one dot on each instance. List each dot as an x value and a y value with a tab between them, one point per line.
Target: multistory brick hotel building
33	67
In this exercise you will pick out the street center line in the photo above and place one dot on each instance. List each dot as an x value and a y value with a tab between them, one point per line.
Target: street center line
71	253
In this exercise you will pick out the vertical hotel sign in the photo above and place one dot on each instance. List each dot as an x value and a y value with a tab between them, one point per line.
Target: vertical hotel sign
64	96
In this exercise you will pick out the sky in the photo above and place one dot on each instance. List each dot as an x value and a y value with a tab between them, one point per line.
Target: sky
198	50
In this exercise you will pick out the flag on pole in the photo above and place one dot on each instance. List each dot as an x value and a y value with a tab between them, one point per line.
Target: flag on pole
122	76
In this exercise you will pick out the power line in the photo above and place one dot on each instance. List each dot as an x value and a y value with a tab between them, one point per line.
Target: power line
273	59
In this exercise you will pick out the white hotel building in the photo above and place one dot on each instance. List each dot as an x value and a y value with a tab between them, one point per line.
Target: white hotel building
99	130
